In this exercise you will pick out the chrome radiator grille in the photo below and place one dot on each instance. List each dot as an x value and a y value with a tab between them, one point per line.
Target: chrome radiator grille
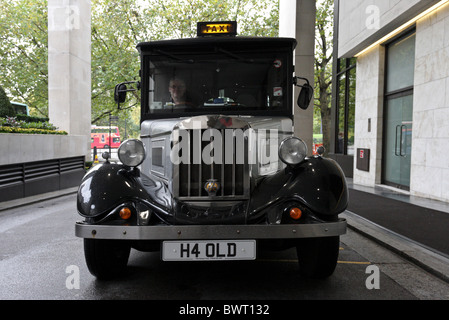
231	170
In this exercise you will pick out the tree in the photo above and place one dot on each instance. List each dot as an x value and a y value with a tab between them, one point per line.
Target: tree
117	26
23	52
323	67
6	108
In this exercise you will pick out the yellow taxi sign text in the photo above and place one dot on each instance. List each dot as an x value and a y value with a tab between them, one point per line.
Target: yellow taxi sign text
217	28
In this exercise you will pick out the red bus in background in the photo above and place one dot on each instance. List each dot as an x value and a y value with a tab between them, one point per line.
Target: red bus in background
317	142
100	138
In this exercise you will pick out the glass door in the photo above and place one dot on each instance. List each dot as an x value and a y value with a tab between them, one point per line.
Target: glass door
398	141
398	112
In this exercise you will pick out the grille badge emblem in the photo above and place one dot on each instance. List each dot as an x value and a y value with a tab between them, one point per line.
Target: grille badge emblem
212	186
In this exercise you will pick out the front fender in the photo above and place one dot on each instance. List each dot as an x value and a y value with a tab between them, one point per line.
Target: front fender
318	183
108	185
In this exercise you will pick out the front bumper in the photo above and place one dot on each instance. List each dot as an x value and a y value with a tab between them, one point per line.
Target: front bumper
215	232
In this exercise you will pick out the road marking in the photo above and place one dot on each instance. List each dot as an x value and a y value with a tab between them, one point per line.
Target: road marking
354	262
295	261
276	260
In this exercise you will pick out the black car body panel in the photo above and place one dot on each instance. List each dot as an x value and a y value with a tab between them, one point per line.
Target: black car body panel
107	186
318	184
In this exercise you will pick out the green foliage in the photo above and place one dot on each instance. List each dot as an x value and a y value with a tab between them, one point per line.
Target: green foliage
14	125
6	109
323	69
30	131
117	26
23	52
25	118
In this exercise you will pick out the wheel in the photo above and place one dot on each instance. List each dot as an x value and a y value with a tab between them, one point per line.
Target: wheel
317	257
106	259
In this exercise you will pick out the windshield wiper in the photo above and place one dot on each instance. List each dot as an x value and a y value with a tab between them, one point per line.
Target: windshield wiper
174	57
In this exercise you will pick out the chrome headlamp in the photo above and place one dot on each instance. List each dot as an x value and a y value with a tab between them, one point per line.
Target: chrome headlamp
132	152
292	151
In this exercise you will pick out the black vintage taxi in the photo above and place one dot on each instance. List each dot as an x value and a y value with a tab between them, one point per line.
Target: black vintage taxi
217	173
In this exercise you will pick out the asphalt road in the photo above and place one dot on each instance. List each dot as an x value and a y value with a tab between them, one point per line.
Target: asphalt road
40	258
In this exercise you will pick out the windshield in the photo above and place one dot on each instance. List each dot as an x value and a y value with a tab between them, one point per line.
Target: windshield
218	81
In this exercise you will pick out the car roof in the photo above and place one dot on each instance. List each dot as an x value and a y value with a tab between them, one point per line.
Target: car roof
209	41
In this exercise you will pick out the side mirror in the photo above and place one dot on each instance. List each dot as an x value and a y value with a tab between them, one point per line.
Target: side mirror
120	93
305	96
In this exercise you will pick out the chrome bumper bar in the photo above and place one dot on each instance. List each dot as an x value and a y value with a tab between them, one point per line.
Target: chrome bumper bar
215	232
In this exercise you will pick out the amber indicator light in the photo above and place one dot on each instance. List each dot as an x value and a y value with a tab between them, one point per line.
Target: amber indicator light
125	213
295	213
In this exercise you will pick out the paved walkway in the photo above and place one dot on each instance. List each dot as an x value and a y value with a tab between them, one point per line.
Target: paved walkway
414	227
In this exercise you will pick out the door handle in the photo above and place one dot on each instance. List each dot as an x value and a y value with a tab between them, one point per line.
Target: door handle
396	141
403	128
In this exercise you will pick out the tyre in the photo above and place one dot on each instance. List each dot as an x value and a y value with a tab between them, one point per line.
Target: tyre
317	257
106	259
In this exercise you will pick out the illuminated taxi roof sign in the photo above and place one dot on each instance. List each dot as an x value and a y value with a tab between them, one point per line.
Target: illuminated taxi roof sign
220	28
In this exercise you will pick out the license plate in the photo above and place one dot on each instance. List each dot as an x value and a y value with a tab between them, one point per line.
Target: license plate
208	250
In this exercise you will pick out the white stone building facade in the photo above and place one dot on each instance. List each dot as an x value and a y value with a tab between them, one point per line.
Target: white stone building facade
402	91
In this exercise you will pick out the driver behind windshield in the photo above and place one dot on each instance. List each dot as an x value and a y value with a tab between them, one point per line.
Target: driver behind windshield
178	93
